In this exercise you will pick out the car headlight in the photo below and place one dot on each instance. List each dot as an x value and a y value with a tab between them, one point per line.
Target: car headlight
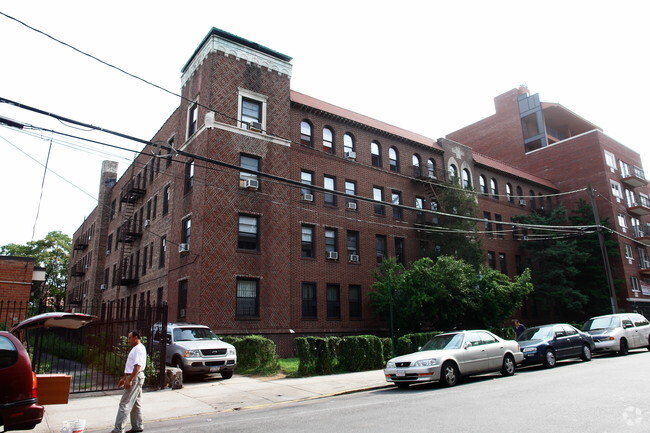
192	353
232	351
390	364
529	349
425	363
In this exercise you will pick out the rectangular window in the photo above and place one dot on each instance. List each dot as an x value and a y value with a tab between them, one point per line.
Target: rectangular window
307	178
351	189
149	210
248	237
622	221
502	263
628	252
163	250
354	301
247	180
247	298
192	119
186	231
499	226
145	251
380	248
353	245
182	299
616	189
378	195
396	199
329	183
309	310
610	160
155	206
636	287
492	263
169	152
112	210
331	244
333	301
251	114
487	217
166	198
109	244
399	251
307	242
189	176
151	255
625	169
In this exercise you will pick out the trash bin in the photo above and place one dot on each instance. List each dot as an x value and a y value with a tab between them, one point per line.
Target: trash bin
74	426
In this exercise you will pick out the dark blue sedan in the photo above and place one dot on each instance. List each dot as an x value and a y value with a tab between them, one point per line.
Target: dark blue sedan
547	344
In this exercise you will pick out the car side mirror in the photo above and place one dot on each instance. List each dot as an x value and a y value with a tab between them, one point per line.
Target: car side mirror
419	348
467	345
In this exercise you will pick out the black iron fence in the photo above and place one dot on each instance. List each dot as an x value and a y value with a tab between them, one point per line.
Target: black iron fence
94	355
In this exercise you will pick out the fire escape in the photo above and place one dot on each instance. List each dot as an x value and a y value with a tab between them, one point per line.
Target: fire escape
129	232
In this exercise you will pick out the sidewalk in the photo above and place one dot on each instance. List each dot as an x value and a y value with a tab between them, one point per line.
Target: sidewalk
208	397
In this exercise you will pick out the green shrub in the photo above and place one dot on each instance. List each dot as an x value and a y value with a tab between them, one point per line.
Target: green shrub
317	354
360	353
410	343
505	333
254	352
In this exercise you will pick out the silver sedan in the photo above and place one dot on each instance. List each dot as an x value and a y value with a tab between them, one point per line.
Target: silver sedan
447	357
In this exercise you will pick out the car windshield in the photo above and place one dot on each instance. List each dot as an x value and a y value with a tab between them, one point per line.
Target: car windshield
444	342
536	334
191	334
602	323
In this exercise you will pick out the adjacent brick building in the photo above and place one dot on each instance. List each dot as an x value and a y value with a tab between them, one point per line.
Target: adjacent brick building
18	276
289	248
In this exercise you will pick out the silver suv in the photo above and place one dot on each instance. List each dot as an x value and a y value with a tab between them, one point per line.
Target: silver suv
195	349
619	332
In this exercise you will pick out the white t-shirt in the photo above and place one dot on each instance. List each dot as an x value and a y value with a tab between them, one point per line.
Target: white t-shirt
137	356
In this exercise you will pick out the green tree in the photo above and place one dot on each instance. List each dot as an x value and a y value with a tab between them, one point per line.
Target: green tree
53	253
556	261
458	237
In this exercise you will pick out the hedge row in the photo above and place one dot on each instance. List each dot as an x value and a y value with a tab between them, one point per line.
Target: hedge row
254	351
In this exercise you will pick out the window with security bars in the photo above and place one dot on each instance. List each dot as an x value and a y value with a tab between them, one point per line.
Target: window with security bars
333	301
247	298
309	310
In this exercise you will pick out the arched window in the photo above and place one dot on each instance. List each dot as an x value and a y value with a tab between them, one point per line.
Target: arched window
509	193
453	173
348	144
328	140
392	159
467	179
417	170
375	154
494	188
305	134
431	168
482	183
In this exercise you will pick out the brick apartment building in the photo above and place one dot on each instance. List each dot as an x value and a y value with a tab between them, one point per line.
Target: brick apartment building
18	276
548	140
287	248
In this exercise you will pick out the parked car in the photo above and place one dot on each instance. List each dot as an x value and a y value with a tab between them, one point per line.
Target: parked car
547	344
195	349
19	408
619	332
447	357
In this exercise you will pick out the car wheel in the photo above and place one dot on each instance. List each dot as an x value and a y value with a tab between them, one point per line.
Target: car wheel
178	364
402	385
509	366
586	353
549	358
624	349
449	375
227	374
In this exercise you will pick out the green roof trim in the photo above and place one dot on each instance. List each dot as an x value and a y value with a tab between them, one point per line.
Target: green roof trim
238	40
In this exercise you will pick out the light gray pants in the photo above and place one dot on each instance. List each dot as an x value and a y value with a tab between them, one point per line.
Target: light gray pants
130	406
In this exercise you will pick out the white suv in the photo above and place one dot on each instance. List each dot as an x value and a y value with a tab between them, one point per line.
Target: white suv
619	332
195	349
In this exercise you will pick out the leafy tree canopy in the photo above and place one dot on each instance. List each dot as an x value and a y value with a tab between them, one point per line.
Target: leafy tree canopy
53	253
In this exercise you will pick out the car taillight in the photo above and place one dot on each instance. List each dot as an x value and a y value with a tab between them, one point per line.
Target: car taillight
34	386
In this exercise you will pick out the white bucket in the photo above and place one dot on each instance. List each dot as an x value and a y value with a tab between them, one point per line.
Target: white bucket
74	426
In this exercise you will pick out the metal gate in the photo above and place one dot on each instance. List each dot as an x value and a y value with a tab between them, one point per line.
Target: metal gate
95	355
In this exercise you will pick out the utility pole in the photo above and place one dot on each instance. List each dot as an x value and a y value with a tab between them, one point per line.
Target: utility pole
603	251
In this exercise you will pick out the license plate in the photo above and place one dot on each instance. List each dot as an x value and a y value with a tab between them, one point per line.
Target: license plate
401	373
213	369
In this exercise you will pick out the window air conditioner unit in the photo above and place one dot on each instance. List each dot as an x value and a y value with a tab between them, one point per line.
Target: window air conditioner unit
183	248
351	155
255	126
103	286
524	238
352	205
354	257
522	202
108	252
308	197
147	223
251	184
332	255
209	120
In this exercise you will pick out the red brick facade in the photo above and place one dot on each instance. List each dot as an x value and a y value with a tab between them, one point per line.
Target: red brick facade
16	275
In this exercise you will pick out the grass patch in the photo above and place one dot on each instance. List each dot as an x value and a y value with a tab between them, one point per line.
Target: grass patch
289	366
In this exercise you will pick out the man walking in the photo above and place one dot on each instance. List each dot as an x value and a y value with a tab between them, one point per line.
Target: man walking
519	328
132	382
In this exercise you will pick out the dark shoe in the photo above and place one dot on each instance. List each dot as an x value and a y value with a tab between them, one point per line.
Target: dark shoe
134	430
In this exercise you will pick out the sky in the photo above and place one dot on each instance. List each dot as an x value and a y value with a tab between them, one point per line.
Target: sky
431	67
